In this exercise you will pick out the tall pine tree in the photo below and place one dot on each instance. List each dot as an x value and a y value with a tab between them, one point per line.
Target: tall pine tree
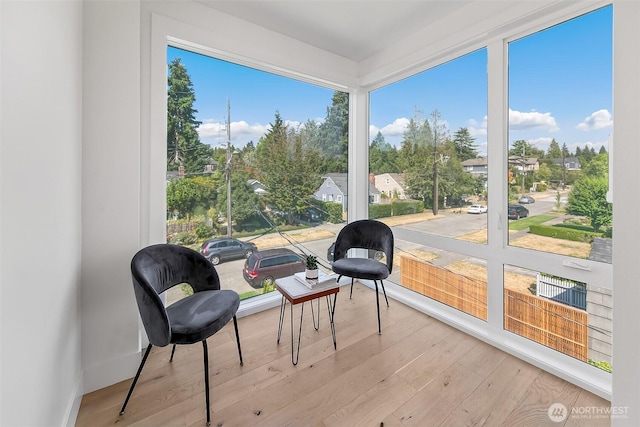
183	143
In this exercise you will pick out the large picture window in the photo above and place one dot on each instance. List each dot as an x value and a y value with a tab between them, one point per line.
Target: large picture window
428	176
256	169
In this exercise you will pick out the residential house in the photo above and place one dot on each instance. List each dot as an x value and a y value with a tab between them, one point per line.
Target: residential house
334	189
477	167
390	184
70	324
527	164
570	163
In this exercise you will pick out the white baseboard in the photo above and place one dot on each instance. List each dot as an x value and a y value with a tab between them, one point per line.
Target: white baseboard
73	407
111	371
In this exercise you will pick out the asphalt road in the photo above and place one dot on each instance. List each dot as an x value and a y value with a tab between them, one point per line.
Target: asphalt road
450	225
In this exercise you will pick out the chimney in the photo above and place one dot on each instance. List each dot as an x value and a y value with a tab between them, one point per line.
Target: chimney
372	178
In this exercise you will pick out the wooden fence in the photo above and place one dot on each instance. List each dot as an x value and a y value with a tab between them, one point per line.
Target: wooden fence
455	290
552	324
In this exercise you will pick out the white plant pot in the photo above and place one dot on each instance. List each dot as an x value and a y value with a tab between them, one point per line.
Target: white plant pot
311	274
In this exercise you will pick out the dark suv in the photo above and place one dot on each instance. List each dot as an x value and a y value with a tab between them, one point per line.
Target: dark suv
517	212
226	248
263	267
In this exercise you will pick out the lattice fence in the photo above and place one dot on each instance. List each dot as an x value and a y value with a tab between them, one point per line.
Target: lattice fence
552	324
455	290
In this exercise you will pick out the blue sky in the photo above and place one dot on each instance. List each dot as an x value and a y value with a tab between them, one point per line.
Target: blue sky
560	86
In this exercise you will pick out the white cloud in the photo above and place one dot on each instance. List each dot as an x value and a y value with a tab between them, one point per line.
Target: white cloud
519	120
241	132
396	128
597	120
541	143
477	129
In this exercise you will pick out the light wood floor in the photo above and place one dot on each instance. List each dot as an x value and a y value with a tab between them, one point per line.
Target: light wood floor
419	372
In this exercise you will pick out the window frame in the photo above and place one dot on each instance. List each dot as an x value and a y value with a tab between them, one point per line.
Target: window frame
165	31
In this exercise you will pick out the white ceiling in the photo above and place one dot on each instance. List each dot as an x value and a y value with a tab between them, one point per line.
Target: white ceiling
354	29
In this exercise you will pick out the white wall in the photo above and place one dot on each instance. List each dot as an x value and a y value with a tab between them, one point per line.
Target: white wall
40	220
110	190
626	204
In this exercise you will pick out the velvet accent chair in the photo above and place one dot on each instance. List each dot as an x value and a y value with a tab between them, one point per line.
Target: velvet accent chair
155	269
375	236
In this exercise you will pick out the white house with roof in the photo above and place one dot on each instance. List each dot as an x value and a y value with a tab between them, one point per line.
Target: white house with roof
390	184
334	190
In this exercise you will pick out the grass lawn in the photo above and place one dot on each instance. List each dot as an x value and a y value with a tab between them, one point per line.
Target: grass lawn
523	223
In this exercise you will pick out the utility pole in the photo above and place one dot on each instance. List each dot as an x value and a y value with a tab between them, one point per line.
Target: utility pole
228	169
435	168
524	162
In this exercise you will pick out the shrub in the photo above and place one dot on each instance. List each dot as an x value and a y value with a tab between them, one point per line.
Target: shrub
406	208
605	366
204	231
184	238
379	211
334	212
561	232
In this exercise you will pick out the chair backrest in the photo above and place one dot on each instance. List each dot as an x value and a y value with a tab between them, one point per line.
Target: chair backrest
155	269
365	234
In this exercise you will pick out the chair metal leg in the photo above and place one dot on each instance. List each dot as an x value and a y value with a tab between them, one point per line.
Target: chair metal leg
206	379
135	380
173	350
378	306
235	325
351	292
385	293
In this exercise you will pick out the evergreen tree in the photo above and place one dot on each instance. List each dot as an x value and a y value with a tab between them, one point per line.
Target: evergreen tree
183	143
382	156
464	142
602	150
290	172
334	134
554	151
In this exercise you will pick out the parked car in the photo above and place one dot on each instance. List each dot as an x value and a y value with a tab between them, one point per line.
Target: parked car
476	209
263	267
527	199
373	254
225	248
517	212
310	215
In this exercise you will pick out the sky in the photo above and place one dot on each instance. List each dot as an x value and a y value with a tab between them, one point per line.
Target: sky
560	87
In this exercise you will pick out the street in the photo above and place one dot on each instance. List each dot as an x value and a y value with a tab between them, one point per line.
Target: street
449	225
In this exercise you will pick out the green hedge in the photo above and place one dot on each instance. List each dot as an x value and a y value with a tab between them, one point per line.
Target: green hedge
406	208
379	211
333	212
559	232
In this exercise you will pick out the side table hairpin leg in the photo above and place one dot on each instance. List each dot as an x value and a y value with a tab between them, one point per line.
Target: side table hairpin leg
283	304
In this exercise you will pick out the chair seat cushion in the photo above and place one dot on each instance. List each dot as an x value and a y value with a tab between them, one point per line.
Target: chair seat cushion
197	317
361	268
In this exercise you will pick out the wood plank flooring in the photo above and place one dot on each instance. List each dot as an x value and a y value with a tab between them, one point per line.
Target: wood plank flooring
419	372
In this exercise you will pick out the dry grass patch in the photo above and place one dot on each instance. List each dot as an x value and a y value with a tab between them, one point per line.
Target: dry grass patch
479	236
275	240
556	246
415	253
513	281
408	219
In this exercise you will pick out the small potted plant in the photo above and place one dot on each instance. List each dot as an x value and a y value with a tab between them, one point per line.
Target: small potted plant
312	267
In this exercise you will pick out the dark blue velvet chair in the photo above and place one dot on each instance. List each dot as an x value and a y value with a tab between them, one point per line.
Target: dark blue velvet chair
192	319
365	234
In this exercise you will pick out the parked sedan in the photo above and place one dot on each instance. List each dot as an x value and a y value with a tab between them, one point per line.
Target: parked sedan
476	209
226	248
527	199
517	212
